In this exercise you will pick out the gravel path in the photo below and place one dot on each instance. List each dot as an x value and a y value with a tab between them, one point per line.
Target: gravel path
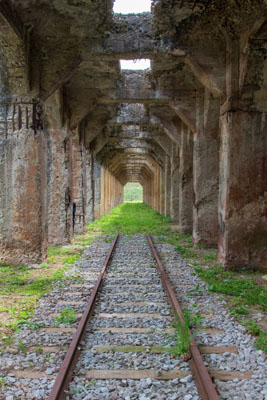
132	310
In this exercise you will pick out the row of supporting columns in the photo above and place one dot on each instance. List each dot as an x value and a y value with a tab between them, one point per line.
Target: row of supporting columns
214	185
111	192
50	185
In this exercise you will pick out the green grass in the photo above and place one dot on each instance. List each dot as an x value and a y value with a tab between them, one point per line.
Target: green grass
132	218
21	287
67	316
229	283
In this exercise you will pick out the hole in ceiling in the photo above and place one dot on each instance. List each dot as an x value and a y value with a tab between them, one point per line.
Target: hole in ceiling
140	64
132	6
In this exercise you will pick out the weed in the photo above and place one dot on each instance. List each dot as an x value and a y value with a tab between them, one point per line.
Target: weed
67	316
90	384
70	260
31	325
7	340
184	251
22	347
209	256
182	338
261	342
194	291
193	319
38	350
222	281
44	265
240	310
2	381
252	327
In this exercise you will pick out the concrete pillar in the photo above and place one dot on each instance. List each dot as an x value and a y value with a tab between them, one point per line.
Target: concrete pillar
205	173
175	163
90	186
59	173
79	186
243	190
167	190
186	181
23	187
162	190
97	190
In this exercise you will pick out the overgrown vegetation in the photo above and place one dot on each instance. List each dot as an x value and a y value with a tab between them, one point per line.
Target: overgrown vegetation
21	286
242	293
182	338
182	335
133	191
130	219
67	316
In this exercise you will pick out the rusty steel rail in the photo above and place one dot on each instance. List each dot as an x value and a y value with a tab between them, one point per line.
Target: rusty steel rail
64	376
205	386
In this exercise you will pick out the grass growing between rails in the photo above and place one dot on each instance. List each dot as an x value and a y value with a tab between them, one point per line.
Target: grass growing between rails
22	286
131	218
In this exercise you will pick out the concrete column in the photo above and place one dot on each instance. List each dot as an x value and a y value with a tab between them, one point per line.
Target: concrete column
59	173
89	205
186	181
162	190
243	190
97	189
79	186
167	190
205	173
175	162
23	189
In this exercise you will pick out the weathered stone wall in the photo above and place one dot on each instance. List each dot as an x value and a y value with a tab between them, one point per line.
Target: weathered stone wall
243	194
90	188
59	172
205	175
186	181
175	177
79	178
23	228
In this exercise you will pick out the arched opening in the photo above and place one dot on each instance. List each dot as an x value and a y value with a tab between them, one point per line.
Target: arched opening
133	192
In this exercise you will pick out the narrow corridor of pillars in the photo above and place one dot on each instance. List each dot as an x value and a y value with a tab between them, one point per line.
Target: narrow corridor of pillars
111	192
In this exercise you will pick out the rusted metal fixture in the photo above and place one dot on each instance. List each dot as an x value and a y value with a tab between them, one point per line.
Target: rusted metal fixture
205	386
58	391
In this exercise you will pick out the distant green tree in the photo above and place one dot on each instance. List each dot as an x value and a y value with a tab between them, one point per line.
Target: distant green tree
133	191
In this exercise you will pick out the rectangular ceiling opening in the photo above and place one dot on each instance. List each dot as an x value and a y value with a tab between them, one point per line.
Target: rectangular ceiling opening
137	65
132	6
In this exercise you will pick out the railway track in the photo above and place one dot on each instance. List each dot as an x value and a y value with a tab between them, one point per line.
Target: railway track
144	295
124	352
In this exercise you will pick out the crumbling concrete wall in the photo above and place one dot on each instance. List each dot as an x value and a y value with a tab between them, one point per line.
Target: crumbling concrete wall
205	174
186	181
59	172
23	228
